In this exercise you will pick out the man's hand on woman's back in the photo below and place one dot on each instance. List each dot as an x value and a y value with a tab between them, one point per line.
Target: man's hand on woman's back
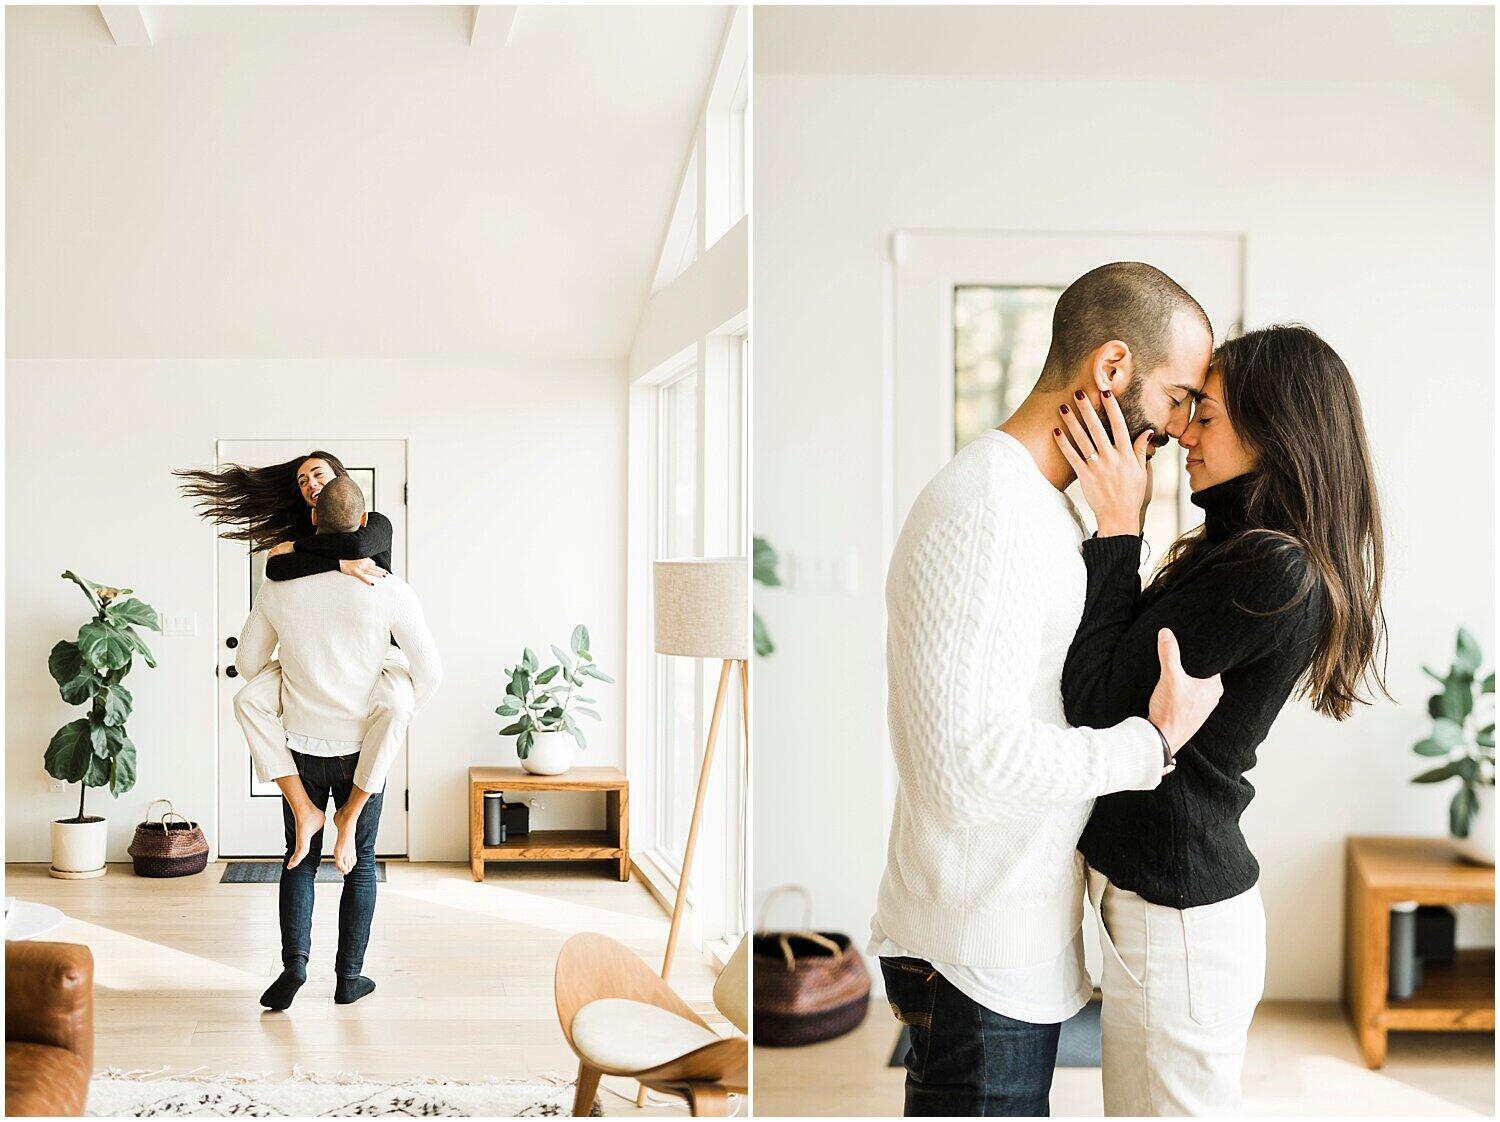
1181	703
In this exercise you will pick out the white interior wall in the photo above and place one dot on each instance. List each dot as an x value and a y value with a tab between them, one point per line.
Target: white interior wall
517	533
1368	214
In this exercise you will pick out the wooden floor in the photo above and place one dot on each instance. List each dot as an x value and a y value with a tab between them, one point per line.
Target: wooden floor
464	971
1302	1061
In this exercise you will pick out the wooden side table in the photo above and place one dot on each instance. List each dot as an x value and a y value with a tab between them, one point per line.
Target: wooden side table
1460	996
612	843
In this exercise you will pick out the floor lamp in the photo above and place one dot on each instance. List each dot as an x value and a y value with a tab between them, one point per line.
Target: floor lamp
702	610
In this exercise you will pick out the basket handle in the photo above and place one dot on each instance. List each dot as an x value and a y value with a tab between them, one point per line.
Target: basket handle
772	896
152	807
785	942
173	814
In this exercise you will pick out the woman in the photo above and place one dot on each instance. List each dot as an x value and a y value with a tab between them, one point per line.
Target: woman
270	507
1278	591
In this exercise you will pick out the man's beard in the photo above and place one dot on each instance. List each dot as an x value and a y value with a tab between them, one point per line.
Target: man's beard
1136	421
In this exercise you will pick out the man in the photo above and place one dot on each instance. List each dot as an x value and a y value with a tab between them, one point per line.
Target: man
334	635
979	921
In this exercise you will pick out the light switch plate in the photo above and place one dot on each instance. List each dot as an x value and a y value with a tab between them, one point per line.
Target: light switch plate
179	623
820	572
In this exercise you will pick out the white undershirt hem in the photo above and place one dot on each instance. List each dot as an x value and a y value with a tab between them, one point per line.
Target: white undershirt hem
317	746
1044	993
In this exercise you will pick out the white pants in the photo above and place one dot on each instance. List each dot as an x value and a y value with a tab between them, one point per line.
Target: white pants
1180	987
392	703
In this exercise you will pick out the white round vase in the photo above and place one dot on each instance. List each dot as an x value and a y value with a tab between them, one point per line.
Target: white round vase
1479	846
551	754
78	849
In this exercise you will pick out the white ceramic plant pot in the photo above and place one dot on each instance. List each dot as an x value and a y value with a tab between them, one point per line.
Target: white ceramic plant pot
78	849
1479	846
551	754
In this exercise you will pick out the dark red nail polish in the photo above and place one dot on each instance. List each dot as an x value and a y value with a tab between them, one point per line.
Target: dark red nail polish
1078	394
1064	408
1057	432
1104	392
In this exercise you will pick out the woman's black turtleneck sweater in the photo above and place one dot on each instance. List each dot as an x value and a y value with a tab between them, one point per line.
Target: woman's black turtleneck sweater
1180	845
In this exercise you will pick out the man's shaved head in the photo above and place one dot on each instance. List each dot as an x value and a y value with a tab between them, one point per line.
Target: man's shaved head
1130	301
341	506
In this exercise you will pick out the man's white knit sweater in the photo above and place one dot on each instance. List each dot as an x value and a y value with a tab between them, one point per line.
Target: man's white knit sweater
984	593
335	633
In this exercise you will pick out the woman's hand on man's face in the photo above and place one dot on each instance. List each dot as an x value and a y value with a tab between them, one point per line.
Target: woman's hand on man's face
1114	473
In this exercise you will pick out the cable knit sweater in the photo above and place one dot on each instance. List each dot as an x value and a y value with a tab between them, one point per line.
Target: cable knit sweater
334	634
984	592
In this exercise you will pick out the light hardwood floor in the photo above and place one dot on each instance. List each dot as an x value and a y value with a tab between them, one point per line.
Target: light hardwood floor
1303	1060
464	971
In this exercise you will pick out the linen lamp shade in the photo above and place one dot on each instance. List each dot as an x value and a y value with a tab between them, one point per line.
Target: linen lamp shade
703	607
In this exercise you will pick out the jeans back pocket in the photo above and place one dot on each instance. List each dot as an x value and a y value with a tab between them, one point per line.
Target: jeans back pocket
910	990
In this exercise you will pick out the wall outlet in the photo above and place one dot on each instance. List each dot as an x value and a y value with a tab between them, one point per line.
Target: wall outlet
56	786
179	623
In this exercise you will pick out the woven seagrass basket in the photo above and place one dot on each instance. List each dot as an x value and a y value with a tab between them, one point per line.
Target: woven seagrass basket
168	849
809	985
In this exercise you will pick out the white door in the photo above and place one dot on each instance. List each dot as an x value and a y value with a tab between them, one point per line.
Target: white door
972	320
250	823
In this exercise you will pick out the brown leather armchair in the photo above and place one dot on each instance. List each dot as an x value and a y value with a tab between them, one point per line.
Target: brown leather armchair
49	1028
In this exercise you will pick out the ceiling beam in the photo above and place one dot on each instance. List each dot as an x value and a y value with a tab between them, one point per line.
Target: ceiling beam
128	24
492	24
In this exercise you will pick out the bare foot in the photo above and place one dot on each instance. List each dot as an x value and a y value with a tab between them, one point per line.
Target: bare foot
344	857
309	822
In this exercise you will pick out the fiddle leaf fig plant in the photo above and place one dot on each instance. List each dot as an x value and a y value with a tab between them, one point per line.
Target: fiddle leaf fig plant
94	751
548	700
1463	732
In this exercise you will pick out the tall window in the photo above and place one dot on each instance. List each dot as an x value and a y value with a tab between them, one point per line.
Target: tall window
1000	339
677	679
689	476
699	508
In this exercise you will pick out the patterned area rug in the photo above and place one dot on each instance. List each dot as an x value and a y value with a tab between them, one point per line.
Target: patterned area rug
119	1094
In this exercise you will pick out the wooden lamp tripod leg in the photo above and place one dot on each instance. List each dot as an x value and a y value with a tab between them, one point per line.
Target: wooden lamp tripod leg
692	838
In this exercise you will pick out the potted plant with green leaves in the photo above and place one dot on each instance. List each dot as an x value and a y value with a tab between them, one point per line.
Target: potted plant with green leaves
545	703
94	750
1463	735
764	572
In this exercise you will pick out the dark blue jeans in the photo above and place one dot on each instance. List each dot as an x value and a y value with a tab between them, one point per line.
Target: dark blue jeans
965	1060
324	777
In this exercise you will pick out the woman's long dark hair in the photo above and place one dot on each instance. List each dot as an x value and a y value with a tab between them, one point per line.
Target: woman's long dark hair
1293	403
261	505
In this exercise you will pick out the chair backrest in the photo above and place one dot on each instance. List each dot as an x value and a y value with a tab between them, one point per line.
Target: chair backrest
732	990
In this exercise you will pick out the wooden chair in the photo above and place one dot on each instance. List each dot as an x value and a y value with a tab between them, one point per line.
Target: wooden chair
620	1018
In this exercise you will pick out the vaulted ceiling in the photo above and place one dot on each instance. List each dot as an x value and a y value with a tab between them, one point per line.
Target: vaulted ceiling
318	182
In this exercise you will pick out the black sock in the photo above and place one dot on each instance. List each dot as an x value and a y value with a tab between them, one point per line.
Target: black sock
351	989
285	988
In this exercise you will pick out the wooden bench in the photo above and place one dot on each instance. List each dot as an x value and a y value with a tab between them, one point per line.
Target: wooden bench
609	844
1460	996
